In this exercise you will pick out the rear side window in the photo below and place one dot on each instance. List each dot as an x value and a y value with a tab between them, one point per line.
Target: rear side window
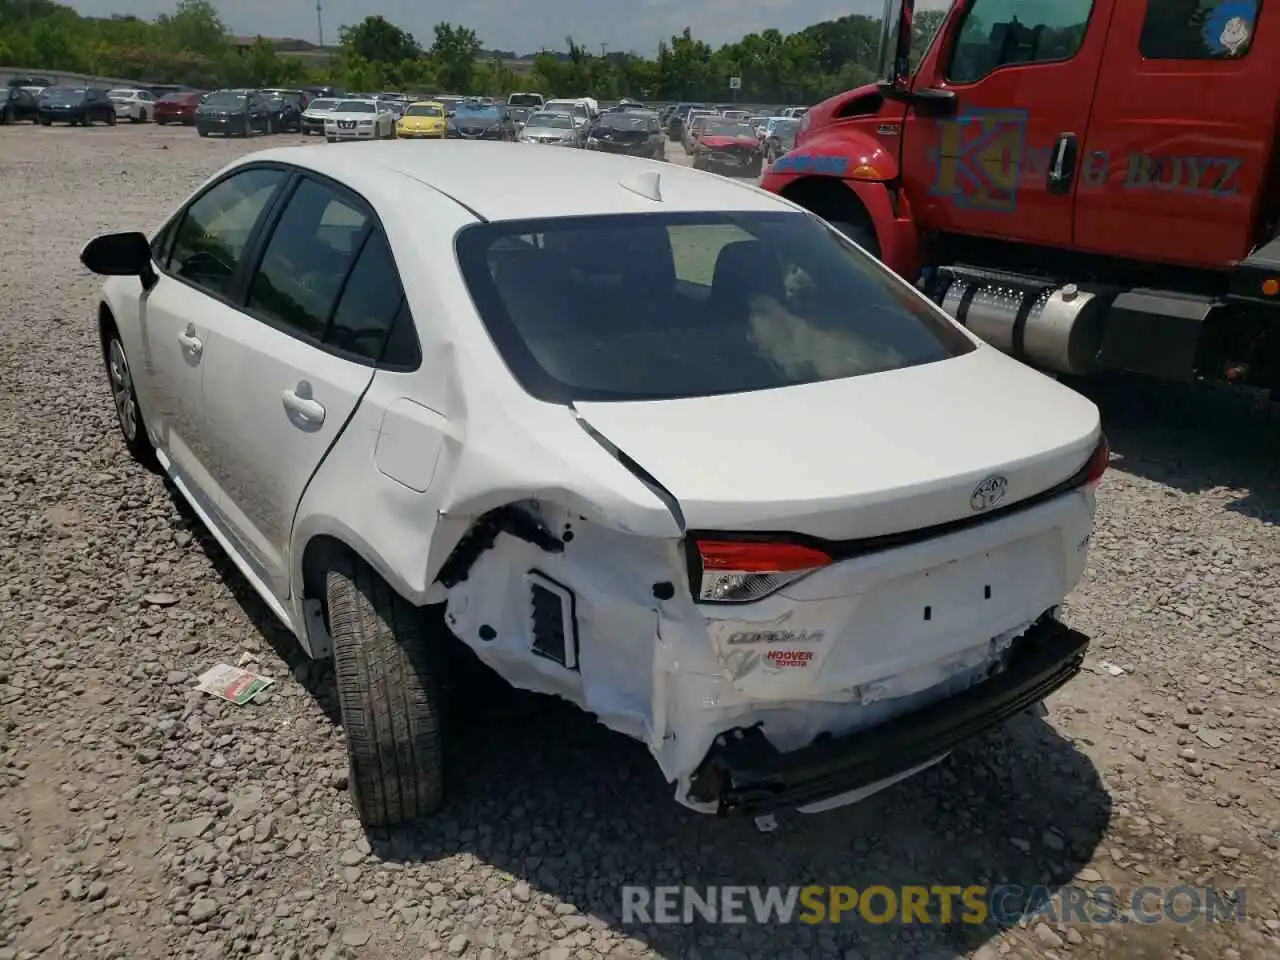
212	235
310	252
1198	29
367	311
656	306
1000	33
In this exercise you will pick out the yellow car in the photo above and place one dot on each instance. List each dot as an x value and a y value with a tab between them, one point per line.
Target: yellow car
424	120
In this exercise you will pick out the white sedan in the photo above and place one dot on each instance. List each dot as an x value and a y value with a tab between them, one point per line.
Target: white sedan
360	120
674	450
136	106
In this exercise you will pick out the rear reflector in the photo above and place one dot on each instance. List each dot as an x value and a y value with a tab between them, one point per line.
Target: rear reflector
1098	462
742	571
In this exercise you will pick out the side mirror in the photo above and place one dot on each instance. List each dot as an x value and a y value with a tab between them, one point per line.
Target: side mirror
120	255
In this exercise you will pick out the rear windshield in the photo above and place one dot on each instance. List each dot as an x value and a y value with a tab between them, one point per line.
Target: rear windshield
626	121
64	93
225	99
659	306
558	121
524	100
723	129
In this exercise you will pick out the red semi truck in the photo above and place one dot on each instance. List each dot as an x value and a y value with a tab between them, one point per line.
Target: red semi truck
1085	184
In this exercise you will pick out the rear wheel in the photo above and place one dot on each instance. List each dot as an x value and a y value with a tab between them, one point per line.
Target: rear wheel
387	665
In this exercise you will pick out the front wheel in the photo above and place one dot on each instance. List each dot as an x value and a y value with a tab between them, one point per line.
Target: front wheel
111	120
860	233
128	414
246	129
387	663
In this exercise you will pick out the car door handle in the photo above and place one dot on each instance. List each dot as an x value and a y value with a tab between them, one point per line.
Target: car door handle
302	405
191	343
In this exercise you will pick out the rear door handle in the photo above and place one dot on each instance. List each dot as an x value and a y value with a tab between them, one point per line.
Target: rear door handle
300	402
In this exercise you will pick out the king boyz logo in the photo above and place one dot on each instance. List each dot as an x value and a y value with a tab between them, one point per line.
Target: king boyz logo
979	159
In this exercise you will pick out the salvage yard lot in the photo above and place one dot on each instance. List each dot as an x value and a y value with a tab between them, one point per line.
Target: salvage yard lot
141	819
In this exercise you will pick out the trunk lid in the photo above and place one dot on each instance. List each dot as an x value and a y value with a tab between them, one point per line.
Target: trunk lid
861	457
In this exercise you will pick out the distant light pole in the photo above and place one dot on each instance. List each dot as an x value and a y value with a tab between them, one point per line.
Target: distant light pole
604	47
320	22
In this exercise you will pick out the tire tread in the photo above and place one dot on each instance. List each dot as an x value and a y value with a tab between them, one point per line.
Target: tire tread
388	682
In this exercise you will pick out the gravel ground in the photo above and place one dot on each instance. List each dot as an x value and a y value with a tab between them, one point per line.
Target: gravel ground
140	819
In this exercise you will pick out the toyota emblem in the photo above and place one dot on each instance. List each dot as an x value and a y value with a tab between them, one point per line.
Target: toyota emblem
989	493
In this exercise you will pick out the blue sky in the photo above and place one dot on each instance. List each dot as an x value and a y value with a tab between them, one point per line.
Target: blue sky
521	25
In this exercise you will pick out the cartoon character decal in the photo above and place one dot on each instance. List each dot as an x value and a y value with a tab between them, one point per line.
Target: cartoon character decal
1229	28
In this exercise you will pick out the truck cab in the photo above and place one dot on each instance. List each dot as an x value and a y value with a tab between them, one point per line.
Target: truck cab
1086	184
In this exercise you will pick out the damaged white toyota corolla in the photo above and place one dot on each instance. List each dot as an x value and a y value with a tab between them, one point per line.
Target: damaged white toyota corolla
640	437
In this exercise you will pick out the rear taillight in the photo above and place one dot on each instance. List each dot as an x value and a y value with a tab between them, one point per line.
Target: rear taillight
735	571
1097	464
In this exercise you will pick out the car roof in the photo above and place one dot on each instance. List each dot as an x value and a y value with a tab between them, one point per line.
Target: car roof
507	182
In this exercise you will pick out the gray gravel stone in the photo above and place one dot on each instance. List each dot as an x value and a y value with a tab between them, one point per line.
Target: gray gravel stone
189	828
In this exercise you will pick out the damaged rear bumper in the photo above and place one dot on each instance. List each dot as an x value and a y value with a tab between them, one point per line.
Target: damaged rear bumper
744	775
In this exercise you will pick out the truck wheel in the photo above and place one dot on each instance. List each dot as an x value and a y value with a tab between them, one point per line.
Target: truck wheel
861	234
387	667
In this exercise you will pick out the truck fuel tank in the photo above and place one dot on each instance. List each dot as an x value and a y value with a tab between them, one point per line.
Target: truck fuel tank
1055	328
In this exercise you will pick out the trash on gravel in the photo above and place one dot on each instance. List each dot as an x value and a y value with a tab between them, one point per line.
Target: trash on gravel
233	684
1106	666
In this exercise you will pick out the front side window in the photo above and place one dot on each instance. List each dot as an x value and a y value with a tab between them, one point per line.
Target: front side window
657	306
1198	29
215	229
999	33
311	249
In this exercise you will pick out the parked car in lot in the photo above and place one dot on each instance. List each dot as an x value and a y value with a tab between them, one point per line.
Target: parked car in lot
633	132
424	120
359	120
30	82
239	113
579	109
780	138
553	129
312	120
473	120
18	104
693	126
728	146
177	108
286	110
527	375
679	120
133	104
74	105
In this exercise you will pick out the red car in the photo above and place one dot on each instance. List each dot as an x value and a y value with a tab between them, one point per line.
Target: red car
729	147
177	108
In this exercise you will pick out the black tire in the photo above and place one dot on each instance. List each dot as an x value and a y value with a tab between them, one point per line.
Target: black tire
203	132
387	665
133	429
111	120
860	233
246	128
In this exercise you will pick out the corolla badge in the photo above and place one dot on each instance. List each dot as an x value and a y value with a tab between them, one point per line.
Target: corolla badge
989	493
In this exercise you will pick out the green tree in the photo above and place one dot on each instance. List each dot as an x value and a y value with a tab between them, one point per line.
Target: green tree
454	54
378	40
